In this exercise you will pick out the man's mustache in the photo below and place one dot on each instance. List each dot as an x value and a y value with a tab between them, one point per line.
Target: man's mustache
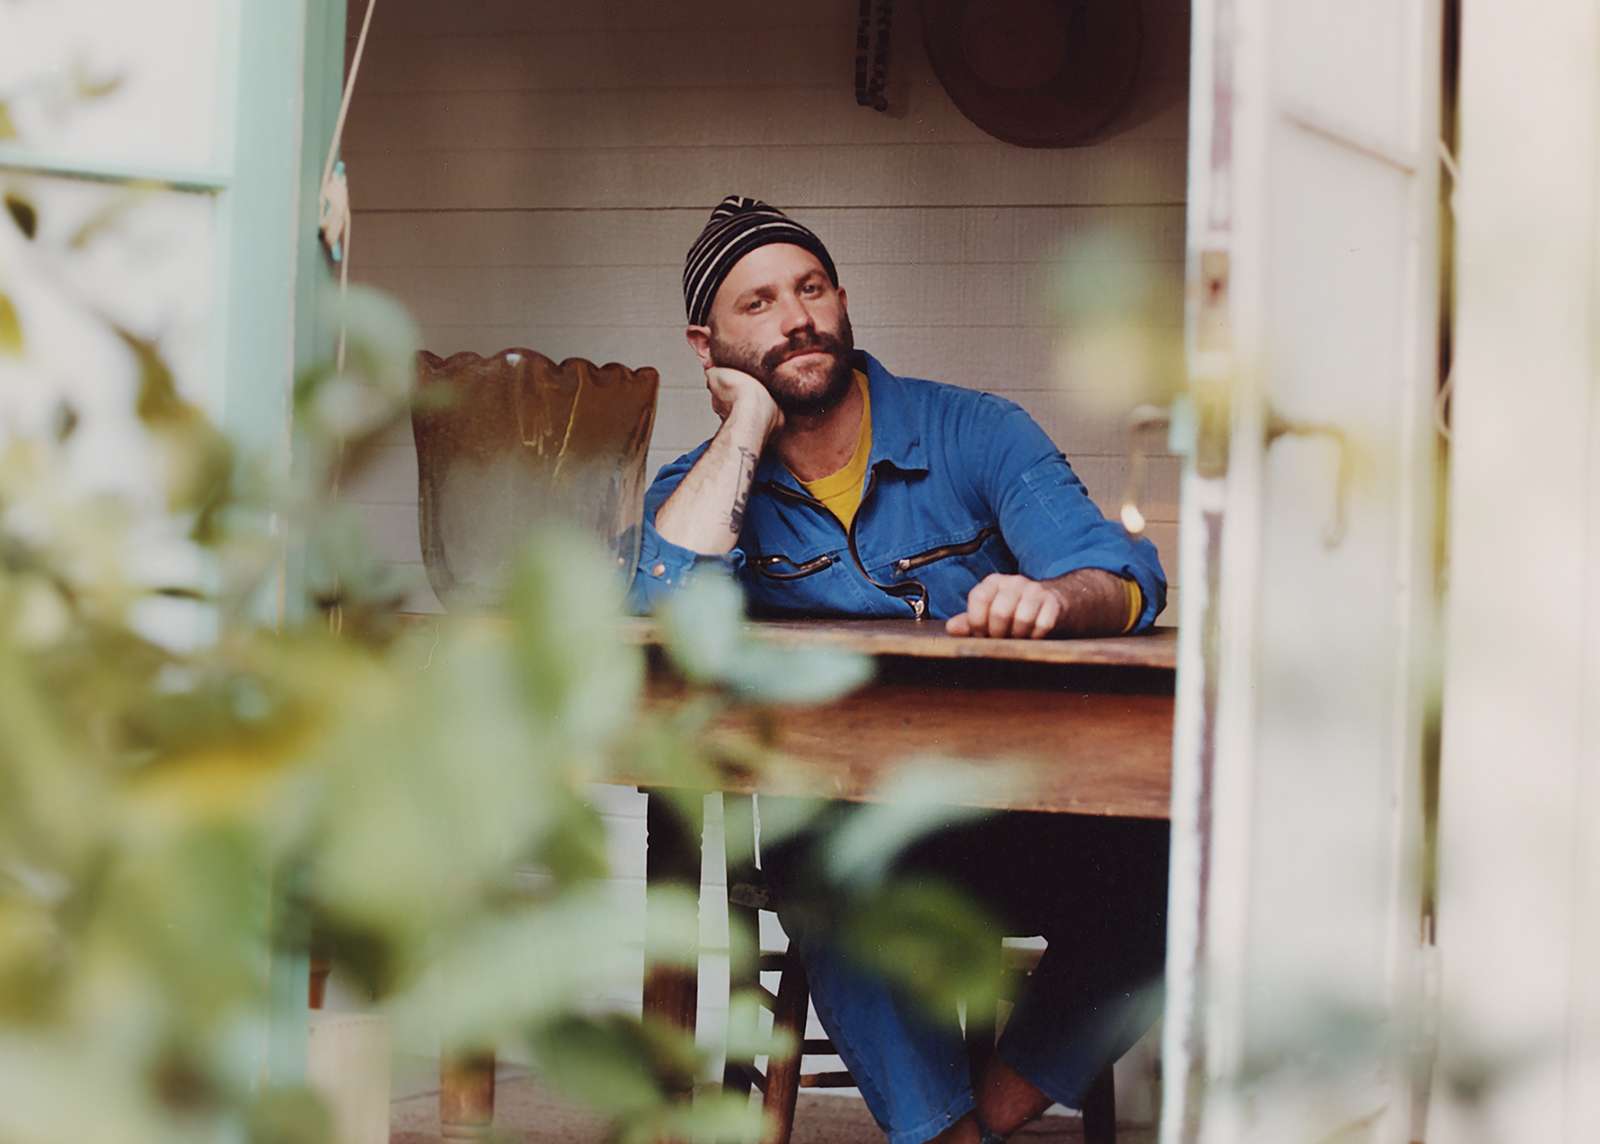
802	342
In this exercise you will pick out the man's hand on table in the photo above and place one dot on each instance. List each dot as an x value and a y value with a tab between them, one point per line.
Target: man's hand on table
1088	602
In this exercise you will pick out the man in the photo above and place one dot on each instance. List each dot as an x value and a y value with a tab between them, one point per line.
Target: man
834	487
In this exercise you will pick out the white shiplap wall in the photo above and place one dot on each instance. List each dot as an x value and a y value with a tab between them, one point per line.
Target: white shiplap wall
531	172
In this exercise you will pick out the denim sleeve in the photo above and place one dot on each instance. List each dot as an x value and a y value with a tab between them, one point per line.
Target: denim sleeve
1045	514
664	566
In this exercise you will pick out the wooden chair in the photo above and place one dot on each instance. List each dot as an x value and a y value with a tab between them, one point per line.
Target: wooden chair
780	1083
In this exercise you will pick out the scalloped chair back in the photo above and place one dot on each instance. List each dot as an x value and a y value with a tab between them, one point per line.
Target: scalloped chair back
511	441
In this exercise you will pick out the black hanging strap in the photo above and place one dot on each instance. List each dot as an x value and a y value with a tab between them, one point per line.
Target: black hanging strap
874	22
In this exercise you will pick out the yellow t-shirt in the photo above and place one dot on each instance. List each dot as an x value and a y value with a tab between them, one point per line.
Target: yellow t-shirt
841	491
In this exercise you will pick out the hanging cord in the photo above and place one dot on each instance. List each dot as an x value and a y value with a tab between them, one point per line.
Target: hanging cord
334	212
334	224
1441	400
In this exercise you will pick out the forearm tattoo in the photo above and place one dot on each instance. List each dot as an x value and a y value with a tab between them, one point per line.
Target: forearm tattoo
741	495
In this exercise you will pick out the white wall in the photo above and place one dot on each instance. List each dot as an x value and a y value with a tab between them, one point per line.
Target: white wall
530	172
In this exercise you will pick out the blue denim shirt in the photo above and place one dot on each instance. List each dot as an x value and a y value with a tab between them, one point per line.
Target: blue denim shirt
959	484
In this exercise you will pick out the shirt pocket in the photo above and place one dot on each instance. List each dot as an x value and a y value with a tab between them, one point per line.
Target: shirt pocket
966	550
778	585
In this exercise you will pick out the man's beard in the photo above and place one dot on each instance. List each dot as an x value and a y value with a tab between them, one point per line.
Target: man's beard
791	399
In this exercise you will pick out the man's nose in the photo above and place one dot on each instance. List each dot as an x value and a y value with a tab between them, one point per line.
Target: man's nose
793	314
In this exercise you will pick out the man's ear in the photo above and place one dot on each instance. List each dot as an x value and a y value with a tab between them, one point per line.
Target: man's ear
700	342
844	302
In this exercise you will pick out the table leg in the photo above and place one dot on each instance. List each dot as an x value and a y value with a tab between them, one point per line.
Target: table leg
672	857
321	967
466	1095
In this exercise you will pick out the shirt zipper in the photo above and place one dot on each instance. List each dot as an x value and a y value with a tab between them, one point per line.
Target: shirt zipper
766	565
965	548
915	589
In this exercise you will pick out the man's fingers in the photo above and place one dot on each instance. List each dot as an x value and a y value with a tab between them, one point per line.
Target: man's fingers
1001	609
1027	613
978	601
1007	607
1049	615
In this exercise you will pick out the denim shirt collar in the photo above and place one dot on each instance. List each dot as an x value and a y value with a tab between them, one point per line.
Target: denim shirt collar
896	435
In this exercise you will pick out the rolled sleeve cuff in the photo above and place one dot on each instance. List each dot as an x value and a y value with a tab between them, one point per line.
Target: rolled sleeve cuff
665	566
1152	586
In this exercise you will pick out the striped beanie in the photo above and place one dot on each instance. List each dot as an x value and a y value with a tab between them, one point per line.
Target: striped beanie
736	227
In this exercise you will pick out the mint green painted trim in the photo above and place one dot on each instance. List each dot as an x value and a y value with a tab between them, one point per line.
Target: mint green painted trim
28	161
321	82
315	284
258	221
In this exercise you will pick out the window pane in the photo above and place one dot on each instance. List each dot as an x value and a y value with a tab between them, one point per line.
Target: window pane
116	80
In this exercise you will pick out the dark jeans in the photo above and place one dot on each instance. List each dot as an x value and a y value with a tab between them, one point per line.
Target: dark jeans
1095	888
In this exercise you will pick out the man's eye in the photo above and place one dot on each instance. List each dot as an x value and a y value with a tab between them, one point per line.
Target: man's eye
752	306
812	288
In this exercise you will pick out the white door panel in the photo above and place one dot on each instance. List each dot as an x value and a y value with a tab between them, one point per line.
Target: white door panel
1297	805
1351	64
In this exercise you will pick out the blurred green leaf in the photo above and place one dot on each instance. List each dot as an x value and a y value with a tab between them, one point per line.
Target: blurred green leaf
44	1078
342	571
796	675
157	400
580	680
496	977
32	949
434	786
290	1116
22	213
381	340
784	818
919	799
51	806
198	456
8	128
189	908
933	940
574	849
701	627
616	1062
748	1036
10	328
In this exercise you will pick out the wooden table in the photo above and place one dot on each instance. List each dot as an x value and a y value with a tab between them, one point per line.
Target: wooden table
1086	725
1078	727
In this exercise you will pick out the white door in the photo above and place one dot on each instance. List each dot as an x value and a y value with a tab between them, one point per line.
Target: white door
1308	519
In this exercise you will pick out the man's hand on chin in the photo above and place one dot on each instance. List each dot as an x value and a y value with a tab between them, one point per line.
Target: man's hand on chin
736	394
1088	602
